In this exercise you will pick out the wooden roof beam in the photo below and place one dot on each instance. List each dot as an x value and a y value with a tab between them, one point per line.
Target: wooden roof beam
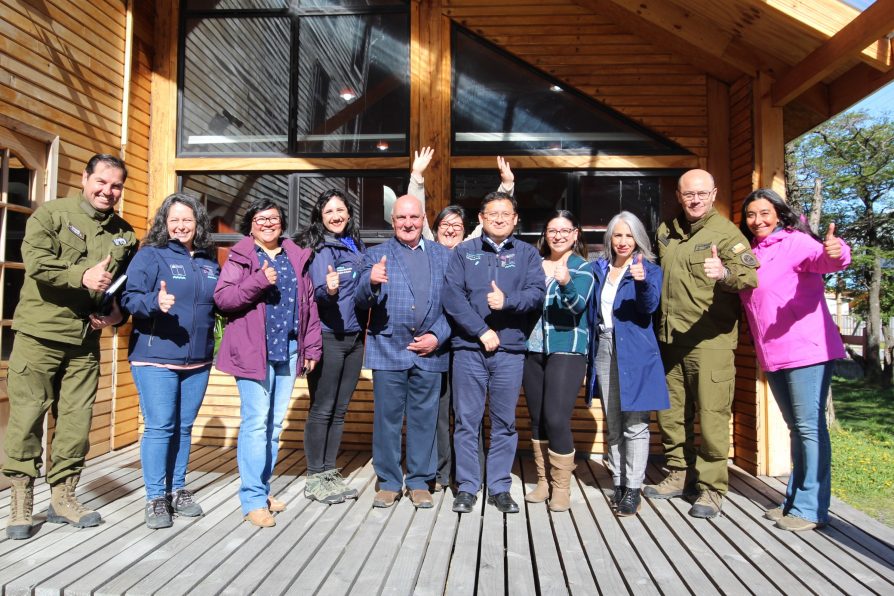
875	22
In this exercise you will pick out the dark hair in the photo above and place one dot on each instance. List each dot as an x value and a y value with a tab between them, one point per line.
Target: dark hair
449	210
499	196
255	207
312	236
158	232
109	160
789	217
579	247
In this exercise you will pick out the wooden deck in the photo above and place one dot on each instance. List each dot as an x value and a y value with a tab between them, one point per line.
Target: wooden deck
352	548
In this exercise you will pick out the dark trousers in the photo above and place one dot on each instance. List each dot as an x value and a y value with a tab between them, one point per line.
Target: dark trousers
552	382
412	393
445	443
477	375
331	385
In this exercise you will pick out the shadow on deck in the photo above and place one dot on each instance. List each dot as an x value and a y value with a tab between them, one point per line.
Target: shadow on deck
352	548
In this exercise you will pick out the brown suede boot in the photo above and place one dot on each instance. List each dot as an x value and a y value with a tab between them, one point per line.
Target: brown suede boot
563	467
21	502
65	509
541	491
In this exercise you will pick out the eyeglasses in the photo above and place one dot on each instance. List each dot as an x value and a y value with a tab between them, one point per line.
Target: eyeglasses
552	233
271	221
446	225
494	216
692	194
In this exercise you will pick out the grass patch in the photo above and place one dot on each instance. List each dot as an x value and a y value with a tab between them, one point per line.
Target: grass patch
863	448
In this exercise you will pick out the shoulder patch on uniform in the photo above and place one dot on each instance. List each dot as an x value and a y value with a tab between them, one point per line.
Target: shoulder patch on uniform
76	231
119	241
748	259
665	240
739	247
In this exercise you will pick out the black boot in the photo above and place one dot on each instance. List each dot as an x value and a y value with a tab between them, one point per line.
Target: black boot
630	503
617	496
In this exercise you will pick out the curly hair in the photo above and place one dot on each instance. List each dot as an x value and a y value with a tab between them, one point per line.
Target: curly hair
312	236
790	217
579	248
255	207
158	232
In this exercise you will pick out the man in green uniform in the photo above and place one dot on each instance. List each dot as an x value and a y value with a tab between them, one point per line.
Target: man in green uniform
74	249
706	261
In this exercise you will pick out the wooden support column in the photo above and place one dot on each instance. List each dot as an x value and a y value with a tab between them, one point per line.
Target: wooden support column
774	456
163	113
430	97
718	143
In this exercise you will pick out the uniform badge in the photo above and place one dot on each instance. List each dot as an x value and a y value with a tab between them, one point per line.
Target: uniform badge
76	231
119	241
664	240
738	248
748	259
699	247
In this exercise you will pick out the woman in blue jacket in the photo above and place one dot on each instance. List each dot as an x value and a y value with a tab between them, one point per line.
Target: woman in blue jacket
337	262
556	358
624	359
170	293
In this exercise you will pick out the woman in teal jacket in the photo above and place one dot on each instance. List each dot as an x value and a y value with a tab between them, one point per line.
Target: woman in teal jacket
624	358
556	358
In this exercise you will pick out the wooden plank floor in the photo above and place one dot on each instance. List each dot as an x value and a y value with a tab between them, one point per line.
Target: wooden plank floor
353	548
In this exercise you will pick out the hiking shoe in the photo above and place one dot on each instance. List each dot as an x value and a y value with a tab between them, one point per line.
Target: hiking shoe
260	518
775	514
158	514
339	482
21	504
672	486
385	499
275	505
320	488
796	524
65	509
182	503
629	503
616	497
707	505
420	498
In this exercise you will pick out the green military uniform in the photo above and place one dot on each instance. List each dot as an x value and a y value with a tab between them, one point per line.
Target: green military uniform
55	356
697	334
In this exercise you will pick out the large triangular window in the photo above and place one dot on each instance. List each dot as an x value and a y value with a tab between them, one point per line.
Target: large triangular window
502	106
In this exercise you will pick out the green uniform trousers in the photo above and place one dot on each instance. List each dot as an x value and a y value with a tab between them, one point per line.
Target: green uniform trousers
700	381
47	374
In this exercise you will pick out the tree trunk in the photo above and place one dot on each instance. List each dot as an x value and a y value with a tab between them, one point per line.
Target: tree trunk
873	367
816	210
831	421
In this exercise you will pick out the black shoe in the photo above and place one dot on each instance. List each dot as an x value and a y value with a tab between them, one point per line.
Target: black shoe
503	502
617	496
464	502
629	503
158	514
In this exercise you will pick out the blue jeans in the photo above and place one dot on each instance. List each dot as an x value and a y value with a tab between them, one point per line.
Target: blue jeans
801	395
414	393
170	400
263	408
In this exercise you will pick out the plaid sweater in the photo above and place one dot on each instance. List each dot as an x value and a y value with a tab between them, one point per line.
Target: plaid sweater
563	322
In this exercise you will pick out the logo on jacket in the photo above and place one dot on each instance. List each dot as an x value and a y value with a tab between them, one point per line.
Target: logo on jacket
209	272
178	271
119	241
506	261
475	257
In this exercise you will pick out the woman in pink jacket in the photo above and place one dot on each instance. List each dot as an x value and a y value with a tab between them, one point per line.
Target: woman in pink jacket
796	341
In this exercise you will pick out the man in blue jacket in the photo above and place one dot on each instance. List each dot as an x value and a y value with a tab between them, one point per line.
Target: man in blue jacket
402	282
493	284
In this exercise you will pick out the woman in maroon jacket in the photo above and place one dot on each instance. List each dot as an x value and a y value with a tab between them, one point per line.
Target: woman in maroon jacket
273	334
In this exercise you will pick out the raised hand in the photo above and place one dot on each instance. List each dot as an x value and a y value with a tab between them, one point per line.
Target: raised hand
379	273
714	268
561	273
506	175
495	298
831	244
97	278
421	159
331	281
490	340
165	300
270	272
637	271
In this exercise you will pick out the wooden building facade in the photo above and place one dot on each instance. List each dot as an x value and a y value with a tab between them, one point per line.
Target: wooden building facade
598	104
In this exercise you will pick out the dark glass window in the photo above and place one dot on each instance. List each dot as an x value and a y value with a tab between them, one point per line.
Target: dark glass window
502	106
319	78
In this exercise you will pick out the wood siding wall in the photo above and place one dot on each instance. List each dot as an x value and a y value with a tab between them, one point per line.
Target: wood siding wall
62	72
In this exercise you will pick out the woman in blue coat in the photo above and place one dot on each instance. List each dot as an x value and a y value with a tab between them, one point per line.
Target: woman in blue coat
624	364
170	293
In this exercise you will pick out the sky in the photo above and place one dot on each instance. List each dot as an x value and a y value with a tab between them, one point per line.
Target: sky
883	99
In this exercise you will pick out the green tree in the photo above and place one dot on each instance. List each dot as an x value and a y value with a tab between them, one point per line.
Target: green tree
848	164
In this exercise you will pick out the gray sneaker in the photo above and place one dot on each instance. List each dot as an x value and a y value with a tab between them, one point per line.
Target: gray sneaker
183	503
158	514
320	488
338	480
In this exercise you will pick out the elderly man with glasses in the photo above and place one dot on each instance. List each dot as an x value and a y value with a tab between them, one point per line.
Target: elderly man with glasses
706	262
493	283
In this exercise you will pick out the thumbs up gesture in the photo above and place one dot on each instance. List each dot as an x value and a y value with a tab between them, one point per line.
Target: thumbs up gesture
165	300
561	274
270	272
831	244
714	268
97	278
331	281
637	271
495	298
379	273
